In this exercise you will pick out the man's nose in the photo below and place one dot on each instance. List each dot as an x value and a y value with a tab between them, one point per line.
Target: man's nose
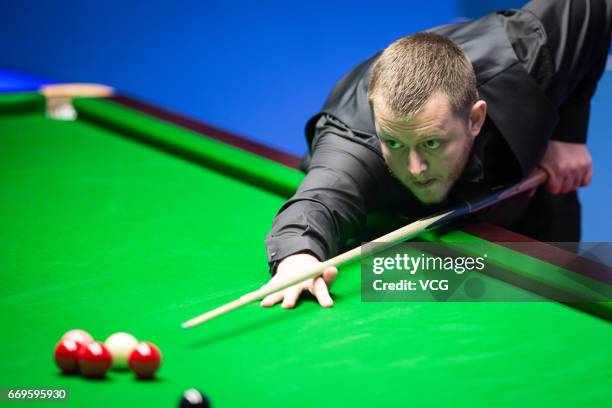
416	164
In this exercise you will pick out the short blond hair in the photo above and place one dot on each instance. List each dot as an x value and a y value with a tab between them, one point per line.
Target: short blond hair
413	68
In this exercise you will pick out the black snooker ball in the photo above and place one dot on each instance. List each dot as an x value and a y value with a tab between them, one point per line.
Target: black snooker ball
194	398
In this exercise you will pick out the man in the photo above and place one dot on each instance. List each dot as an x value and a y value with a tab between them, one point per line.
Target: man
439	117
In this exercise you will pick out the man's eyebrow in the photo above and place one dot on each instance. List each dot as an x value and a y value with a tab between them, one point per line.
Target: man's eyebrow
417	139
429	136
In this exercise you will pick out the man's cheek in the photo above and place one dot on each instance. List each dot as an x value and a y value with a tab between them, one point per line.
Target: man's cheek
392	163
438	169
385	151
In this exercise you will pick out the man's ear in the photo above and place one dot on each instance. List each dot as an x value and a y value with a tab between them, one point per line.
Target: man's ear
478	114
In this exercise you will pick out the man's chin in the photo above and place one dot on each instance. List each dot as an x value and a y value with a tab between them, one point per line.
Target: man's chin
430	200
429	197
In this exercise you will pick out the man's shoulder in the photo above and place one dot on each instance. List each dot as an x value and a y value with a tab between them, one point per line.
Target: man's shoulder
348	102
362	145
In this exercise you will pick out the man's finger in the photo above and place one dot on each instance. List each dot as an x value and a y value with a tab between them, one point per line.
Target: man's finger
552	185
321	292
564	184
588	177
272	299
557	182
570	183
329	275
291	296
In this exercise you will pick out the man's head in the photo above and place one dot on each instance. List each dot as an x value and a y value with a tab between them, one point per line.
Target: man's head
426	111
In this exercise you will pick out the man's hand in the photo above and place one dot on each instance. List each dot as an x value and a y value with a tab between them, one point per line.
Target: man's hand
319	286
569	166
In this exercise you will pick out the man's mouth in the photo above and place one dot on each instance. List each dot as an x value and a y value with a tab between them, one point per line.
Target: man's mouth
423	183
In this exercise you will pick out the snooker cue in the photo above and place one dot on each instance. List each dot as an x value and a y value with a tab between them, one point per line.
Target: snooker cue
538	177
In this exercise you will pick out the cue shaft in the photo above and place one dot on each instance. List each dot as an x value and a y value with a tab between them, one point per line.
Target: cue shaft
401	234
398	235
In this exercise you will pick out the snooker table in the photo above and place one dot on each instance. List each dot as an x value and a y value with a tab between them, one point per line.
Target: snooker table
124	221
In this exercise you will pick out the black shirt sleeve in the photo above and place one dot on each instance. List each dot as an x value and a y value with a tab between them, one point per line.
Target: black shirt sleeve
574	112
577	44
573	120
332	202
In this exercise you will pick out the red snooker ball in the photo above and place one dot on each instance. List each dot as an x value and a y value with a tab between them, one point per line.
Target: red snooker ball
78	335
66	356
94	360
145	360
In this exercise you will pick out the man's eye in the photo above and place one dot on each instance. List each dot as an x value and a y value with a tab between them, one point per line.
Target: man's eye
432	144
393	144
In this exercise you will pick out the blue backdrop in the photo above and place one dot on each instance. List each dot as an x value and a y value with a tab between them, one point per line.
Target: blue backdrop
259	69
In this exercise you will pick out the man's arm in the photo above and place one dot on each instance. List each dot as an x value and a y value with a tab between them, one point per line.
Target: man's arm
575	109
567	159
578	45
344	182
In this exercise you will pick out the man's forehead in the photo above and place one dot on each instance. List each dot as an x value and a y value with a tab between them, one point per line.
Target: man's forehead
433	118
417	126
